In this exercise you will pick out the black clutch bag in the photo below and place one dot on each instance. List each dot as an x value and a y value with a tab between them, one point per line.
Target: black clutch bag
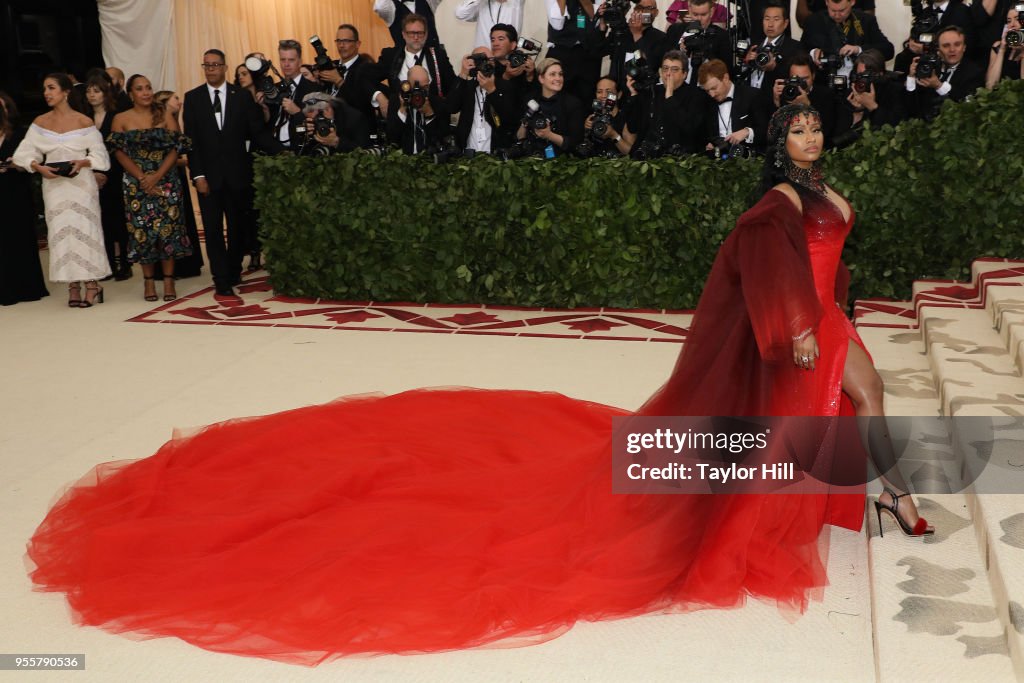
61	168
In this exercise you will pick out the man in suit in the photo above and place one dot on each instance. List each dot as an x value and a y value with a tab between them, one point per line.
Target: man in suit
735	112
776	42
220	119
396	64
287	117
802	68
957	78
489	108
840	30
415	125
349	81
671	116
641	36
948	13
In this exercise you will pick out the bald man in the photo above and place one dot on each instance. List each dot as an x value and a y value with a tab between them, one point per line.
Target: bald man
415	128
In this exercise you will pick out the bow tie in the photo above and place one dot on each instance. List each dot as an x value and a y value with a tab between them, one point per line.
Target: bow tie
727	99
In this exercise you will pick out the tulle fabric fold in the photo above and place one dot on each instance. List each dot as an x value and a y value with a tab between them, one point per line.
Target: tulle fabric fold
317	533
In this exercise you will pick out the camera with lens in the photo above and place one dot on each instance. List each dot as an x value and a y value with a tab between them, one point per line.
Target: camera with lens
929	63
840	84
722	149
831	62
527	147
696	41
644	78
926	20
482	64
322	125
765	55
614	16
793	88
323	61
862	82
602	116
527	47
534	119
413	94
1015	38
260	69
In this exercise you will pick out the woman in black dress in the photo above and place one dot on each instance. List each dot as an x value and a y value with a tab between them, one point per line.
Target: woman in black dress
21	275
100	96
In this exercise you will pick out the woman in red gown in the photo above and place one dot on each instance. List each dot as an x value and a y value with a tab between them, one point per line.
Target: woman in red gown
442	519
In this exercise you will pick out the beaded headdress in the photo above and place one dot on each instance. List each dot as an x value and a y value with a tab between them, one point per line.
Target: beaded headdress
811	178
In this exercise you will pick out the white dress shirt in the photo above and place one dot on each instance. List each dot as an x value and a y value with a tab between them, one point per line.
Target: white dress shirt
487	13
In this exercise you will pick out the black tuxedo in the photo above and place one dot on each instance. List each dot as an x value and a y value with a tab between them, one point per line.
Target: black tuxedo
435	61
357	88
748	111
653	44
279	119
220	156
828	36
965	79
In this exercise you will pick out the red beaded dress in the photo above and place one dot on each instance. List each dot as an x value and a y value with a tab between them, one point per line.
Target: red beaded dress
441	519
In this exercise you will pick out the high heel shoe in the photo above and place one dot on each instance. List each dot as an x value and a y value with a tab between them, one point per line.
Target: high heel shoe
169	283
75	295
920	528
97	296
146	284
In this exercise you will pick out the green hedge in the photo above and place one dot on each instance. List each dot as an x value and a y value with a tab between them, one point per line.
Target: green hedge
622	233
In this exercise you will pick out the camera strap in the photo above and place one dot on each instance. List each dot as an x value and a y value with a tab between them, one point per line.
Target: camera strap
437	74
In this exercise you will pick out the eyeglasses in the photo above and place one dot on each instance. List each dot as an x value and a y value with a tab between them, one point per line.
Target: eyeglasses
212	65
415	34
339	41
671	69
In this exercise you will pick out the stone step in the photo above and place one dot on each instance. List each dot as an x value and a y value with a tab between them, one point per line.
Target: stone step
1005	304
970	362
885	313
935	616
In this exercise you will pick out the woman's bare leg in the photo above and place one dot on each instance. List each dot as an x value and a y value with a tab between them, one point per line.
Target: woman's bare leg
864	387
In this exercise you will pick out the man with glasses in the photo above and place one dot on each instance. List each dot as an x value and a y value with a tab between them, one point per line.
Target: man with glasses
287	116
395	12
221	119
670	118
351	82
417	52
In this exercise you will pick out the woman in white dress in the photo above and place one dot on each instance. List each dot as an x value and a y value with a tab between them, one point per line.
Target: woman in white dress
58	146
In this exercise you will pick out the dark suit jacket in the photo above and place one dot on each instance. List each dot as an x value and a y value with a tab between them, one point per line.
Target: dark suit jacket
956	14
295	121
220	155
721	45
652	45
360	82
925	102
680	118
437	64
747	111
824	34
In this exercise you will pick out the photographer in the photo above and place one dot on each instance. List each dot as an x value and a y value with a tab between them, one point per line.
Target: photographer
516	79
989	21
571	37
353	75
764	61
609	137
929	17
287	116
735	112
394	13
1007	62
954	79
839	33
805	9
488	110
799	86
700	39
331	126
414	125
876	97
553	121
621	37
490	13
396	63
669	118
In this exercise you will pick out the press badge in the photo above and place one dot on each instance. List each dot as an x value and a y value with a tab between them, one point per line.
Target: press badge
549	152
581	21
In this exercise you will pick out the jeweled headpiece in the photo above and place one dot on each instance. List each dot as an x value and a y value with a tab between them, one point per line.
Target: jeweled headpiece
778	130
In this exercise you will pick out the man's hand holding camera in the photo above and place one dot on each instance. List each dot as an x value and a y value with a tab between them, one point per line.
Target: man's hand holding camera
332	76
780	85
865	100
289	106
932	81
